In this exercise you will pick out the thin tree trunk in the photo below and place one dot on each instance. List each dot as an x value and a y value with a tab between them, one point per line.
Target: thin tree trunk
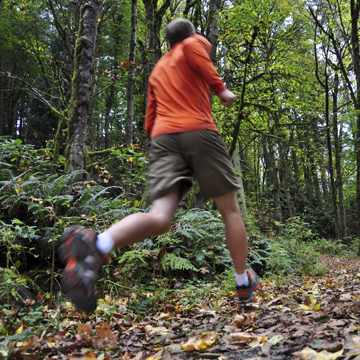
144	82
83	73
284	163
243	169
21	114
2	106
304	161
331	168
339	180
276	184
109	105
269	176
322	165
240	194
294	157
355	13
14	121
341	192
131	79
212	28
313	167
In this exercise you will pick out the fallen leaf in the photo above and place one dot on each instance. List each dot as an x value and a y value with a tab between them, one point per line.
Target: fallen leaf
200	343
84	328
310	354
161	330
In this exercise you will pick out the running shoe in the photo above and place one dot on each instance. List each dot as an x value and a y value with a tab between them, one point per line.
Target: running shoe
245	293
77	249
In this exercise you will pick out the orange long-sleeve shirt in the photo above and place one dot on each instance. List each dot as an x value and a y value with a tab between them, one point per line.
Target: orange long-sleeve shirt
178	92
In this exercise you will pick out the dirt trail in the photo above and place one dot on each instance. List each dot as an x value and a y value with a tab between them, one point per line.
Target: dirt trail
310	318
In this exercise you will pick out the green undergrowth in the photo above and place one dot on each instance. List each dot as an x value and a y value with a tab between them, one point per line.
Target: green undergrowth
38	201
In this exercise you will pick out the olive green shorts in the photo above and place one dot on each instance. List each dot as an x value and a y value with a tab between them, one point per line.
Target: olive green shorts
177	158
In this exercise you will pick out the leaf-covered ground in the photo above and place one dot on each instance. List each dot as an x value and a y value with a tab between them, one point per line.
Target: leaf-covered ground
310	318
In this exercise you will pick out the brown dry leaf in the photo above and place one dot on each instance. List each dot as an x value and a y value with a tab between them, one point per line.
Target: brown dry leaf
104	336
125	357
89	355
222	357
159	330
139	356
33	342
310	354
274	301
239	320
201	343
241	336
162	354
84	328
29	302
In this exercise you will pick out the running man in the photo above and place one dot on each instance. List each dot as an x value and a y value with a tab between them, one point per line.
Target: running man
185	142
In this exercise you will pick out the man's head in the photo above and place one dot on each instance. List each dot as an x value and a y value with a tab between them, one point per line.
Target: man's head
178	30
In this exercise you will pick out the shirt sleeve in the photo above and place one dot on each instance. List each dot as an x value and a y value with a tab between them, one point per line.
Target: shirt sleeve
150	110
196	52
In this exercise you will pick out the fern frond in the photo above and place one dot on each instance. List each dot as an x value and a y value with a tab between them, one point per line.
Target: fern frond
173	262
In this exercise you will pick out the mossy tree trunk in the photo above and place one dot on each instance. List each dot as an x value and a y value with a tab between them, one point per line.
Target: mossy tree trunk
212	27
82	81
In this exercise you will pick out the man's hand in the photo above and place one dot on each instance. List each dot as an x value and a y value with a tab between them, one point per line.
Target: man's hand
227	98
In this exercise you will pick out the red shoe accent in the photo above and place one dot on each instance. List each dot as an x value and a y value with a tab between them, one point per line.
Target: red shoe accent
77	247
245	293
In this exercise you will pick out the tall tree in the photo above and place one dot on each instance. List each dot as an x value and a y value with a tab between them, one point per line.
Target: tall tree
82	80
131	79
343	33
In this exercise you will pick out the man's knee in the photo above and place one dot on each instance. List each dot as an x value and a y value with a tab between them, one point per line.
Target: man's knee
163	224
227	204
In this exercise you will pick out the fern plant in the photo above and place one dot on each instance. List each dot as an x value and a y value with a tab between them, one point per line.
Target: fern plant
173	262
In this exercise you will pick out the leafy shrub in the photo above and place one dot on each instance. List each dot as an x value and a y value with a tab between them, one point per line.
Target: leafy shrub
332	247
293	251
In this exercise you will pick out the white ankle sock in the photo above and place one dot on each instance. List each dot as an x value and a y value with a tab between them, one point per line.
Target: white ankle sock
104	243
242	279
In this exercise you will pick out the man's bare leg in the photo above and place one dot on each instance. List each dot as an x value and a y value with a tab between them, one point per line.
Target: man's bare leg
234	229
137	227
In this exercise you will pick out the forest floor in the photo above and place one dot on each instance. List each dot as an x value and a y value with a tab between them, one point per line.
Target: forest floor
309	318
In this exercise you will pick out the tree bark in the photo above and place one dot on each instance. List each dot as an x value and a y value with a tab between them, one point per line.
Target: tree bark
82	79
285	168
131	79
269	174
331	167
338	149
276	184
2	106
353	49
212	28
355	12
107	123
294	158
240	193
322	165
313	167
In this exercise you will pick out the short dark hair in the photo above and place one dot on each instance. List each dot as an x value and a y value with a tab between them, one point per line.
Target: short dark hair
178	30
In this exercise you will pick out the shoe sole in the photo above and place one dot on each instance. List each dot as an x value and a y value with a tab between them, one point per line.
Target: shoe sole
79	288
76	286
250	299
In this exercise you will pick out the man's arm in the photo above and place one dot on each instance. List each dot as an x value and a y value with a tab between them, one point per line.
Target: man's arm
196	52
150	111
